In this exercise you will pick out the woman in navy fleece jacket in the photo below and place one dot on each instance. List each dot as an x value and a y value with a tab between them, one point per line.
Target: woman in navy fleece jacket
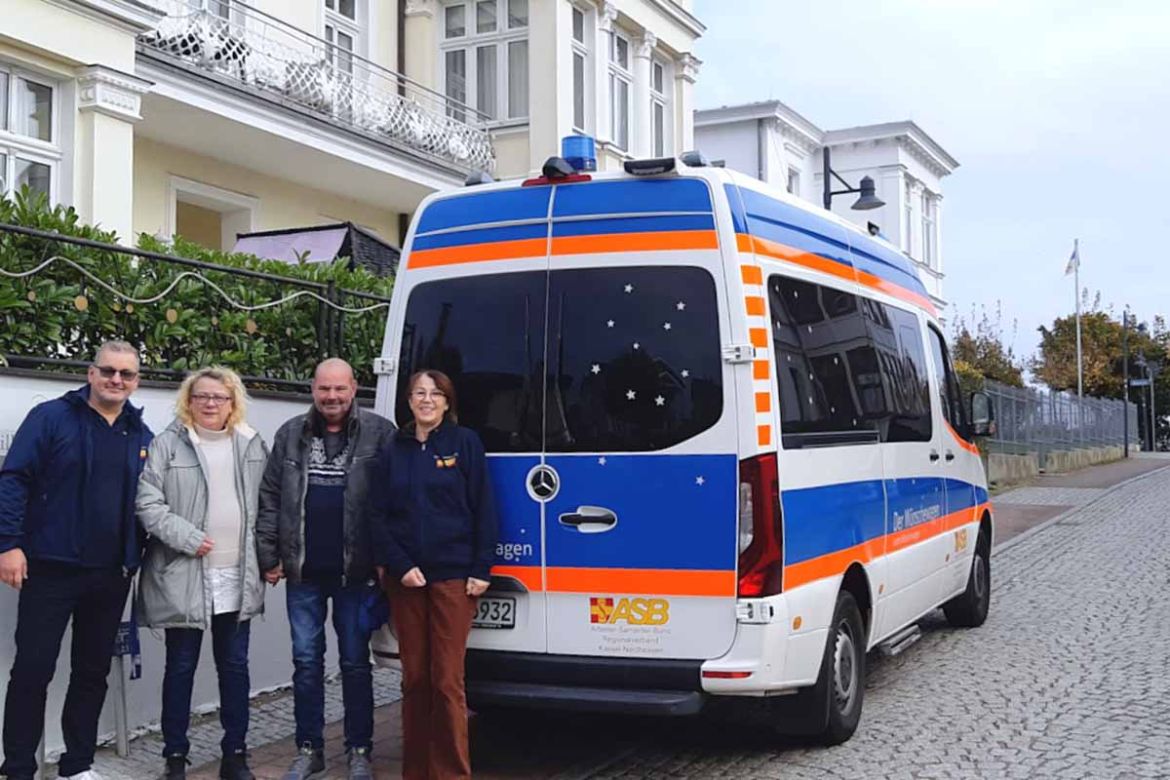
434	530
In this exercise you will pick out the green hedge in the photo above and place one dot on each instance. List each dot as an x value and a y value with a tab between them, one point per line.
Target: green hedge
59	313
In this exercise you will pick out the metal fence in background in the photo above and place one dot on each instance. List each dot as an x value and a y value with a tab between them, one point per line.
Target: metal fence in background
1041	421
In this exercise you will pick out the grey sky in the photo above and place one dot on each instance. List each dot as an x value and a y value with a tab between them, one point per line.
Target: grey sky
1057	111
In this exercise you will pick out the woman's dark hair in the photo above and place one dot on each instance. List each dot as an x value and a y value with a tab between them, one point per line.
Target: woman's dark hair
443	383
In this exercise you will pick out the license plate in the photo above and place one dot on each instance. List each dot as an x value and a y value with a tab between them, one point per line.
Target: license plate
495	612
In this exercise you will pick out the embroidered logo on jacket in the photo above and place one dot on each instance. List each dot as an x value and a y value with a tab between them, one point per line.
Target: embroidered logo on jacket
447	461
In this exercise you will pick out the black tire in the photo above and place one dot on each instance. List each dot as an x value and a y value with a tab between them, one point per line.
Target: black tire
830	710
969	609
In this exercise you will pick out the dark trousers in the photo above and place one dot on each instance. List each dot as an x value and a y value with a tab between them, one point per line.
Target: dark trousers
307	604
53	595
432	624
229	646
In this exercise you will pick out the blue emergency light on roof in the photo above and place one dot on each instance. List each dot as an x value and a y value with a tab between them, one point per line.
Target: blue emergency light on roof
580	152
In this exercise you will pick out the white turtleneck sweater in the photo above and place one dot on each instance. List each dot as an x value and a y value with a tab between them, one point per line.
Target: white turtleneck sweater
224	518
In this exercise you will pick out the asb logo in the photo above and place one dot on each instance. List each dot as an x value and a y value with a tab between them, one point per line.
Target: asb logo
635	612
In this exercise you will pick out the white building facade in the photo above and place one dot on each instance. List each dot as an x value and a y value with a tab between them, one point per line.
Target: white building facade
777	145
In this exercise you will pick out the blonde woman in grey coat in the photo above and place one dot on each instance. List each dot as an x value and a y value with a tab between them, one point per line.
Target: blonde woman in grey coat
197	500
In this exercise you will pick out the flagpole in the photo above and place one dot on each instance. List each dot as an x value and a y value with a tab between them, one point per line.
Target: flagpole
1077	281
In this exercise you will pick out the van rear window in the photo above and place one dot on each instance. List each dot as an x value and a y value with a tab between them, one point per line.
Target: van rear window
849	369
633	360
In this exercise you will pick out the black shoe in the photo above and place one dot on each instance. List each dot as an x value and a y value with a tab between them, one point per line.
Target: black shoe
176	768
234	766
308	763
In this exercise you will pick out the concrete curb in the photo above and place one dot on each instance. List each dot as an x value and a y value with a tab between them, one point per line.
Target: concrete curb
1010	543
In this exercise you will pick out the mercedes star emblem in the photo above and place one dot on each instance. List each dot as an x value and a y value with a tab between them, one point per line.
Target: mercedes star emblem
543	483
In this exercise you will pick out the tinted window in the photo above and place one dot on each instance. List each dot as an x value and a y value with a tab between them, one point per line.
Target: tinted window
487	334
949	393
634	360
849	369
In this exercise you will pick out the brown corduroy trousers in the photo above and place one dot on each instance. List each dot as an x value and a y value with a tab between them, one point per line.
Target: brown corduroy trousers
432	624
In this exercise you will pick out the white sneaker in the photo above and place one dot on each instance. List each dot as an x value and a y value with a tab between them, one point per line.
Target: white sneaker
88	774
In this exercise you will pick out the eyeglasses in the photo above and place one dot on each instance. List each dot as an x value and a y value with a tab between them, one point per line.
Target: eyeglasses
422	395
107	372
209	399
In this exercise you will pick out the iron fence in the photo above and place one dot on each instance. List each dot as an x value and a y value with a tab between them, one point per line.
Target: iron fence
1036	420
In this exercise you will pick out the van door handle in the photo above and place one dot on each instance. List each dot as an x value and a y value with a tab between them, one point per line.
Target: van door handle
934	456
590	519
950	455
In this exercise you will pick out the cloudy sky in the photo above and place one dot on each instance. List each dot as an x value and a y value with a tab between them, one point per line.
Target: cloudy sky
1058	112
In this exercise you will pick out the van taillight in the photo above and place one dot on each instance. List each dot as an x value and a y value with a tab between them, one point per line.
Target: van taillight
760	532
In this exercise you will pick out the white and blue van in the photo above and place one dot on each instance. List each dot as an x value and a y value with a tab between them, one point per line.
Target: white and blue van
728	448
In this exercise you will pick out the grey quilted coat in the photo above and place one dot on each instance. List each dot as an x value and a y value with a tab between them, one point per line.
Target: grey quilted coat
173	591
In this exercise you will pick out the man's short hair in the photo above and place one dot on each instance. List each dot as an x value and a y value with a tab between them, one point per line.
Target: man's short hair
116	346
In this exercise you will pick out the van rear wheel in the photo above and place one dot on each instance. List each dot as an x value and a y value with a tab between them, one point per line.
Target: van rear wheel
830	710
969	609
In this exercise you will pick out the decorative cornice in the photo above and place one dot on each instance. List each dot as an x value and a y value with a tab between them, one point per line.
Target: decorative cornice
793	127
113	93
688	68
644	46
682	16
423	8
907	136
129	15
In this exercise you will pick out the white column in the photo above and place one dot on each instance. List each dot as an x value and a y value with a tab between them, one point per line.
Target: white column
109	102
606	14
938	263
421	59
640	110
686	72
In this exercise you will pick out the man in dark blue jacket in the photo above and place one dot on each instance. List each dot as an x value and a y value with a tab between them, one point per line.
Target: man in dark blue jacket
70	544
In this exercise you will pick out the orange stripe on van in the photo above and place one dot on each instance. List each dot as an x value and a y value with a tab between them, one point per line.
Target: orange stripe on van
763	402
758	336
657	582
635	242
476	253
764	435
755	305
968	446
528	575
760	369
751	274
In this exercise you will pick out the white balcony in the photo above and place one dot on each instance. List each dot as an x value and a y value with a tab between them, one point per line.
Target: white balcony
274	61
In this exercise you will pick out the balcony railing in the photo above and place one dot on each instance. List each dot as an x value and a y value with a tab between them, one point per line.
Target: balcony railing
245	45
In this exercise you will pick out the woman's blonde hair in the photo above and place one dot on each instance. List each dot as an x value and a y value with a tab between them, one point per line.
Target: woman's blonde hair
226	377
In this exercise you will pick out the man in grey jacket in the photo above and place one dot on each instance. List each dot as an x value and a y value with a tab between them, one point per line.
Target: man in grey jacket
313	531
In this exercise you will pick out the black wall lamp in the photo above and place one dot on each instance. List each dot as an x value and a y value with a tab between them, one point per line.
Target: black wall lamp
867	198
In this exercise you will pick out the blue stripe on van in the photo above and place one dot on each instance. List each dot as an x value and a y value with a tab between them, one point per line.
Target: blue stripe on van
777	221
881	261
480	236
632	197
589	227
738	216
486	207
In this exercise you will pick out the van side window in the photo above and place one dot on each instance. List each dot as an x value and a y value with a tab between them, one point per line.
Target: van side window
849	369
949	393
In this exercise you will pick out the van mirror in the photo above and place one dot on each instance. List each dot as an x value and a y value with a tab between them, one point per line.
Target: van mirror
982	414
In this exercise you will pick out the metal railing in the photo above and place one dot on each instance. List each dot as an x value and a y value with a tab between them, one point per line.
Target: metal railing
246	45
1035	420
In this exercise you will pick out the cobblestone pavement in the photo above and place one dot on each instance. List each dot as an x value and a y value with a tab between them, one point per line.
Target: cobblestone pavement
1069	678
271	721
1049	496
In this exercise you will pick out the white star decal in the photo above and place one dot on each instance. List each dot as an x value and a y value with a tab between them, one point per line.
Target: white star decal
680	306
609	323
659	401
601	461
629	288
666	326
637	345
631	395
685	373
596	369
699	481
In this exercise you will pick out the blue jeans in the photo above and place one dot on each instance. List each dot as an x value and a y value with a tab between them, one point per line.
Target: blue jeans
229	644
307	601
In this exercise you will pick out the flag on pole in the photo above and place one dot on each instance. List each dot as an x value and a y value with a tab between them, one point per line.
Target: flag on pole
1074	262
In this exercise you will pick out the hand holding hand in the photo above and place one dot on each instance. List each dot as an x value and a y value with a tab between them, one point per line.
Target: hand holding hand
205	547
13	568
414	578
476	587
274	575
